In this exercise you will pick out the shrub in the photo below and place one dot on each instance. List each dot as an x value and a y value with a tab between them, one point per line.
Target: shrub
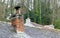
57	24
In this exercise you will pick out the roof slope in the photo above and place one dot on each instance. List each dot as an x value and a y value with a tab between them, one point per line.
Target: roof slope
7	32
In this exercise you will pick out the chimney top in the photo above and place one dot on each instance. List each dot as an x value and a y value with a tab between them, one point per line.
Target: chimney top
17	7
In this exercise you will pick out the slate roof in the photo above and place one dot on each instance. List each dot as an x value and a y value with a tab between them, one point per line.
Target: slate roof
29	32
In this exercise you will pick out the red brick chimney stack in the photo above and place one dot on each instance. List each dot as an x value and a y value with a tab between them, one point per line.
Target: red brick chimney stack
18	22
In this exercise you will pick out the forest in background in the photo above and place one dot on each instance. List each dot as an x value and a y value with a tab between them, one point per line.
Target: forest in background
44	12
